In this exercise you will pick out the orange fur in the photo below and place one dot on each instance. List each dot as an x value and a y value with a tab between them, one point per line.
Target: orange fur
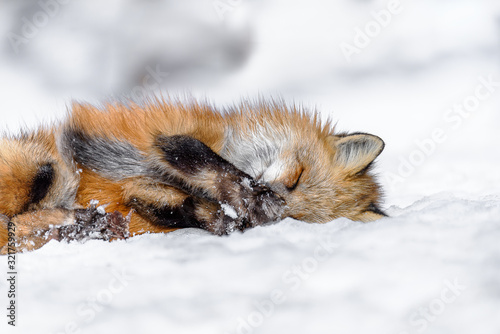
320	174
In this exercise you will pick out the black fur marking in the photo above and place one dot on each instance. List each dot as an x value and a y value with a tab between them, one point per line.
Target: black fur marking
115	159
373	208
181	216
41	183
190	155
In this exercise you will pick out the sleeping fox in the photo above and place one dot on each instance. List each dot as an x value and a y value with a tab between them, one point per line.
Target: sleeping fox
125	169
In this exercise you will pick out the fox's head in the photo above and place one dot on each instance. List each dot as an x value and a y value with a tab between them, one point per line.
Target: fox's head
321	175
331	178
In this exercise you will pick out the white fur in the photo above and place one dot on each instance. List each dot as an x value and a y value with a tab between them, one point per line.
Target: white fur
257	153
274	171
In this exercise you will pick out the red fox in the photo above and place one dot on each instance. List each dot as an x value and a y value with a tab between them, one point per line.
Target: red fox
124	169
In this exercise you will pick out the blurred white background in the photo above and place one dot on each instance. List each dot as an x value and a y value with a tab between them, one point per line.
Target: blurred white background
412	67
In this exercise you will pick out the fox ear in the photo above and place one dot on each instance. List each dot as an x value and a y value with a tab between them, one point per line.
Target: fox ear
357	151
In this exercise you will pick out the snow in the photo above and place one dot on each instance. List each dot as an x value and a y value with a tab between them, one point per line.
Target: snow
432	267
343	276
229	211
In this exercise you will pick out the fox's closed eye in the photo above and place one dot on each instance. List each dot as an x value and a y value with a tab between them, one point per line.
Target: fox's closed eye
295	179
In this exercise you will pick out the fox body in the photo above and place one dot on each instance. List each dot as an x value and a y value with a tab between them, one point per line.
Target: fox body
168	165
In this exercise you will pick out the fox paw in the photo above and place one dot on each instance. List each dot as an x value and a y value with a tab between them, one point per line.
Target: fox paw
256	204
262	205
253	205
94	223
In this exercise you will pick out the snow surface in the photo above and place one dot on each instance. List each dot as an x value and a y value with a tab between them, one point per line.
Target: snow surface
432	267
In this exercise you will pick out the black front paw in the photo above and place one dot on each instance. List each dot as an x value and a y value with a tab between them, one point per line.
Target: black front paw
223	224
252	205
263	206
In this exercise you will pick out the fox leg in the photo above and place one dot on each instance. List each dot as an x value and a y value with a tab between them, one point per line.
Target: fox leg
190	165
165	208
32	230
192	186
200	182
